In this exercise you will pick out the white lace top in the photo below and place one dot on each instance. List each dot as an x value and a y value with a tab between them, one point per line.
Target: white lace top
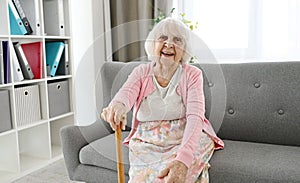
164	103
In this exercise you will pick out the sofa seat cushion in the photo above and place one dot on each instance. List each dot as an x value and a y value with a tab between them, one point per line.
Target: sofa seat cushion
255	162
102	153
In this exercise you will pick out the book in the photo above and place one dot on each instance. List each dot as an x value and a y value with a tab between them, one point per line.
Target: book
26	69
6	62
23	16
63	66
33	54
17	71
54	17
32	10
1	64
54	52
16	25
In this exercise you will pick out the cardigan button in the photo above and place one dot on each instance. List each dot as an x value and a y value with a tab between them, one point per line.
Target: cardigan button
210	84
256	85
230	111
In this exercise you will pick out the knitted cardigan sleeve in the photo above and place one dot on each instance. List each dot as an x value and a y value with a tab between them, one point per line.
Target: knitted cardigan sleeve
195	119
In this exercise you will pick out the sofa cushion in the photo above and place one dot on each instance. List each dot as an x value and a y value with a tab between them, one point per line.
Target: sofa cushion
102	153
262	103
255	162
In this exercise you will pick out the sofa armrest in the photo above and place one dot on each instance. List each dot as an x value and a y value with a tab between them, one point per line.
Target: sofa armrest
73	138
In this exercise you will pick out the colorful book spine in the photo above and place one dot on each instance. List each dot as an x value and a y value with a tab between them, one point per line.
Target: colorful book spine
1	64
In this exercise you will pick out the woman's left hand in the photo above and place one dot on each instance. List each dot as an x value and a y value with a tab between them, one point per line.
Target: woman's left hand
174	173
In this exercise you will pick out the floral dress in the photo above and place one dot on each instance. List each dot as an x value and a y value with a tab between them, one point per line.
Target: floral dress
154	146
155	143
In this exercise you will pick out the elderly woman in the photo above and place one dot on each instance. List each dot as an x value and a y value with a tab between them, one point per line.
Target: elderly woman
171	140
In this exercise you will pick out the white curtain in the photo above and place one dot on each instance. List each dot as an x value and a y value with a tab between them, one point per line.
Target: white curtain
247	30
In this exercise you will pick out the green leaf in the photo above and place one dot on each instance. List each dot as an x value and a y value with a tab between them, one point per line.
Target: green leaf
172	10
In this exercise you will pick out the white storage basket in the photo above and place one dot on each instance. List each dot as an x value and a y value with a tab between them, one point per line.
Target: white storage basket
28	108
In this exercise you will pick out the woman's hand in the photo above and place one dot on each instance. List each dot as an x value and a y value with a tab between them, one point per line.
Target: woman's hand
174	173
115	115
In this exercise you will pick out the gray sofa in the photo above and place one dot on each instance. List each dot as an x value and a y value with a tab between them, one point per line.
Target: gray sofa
254	108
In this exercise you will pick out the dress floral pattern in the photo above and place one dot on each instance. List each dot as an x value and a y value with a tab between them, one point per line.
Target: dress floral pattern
154	146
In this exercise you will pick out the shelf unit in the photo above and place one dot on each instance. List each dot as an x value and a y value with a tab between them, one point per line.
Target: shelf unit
26	148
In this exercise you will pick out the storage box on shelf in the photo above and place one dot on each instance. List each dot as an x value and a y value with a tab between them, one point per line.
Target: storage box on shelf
32	110
59	99
28	105
5	113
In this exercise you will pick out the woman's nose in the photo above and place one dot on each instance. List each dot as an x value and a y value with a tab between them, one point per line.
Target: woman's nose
169	43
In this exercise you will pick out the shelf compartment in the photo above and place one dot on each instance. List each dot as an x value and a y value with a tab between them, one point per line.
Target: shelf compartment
34	146
9	161
55	127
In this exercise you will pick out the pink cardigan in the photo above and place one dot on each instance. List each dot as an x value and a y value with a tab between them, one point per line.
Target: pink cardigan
140	84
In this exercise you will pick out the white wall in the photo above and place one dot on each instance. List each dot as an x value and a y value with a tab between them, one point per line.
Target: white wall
88	56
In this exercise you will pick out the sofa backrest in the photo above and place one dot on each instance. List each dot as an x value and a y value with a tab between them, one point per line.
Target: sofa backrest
255	102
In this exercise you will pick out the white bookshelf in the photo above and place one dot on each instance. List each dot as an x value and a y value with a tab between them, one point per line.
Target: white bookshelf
31	146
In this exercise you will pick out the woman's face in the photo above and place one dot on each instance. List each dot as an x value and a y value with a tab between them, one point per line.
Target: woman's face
169	47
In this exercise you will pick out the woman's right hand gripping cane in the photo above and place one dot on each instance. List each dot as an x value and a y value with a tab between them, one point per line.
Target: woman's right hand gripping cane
115	115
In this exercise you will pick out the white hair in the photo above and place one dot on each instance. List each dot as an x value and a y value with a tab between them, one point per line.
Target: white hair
169	26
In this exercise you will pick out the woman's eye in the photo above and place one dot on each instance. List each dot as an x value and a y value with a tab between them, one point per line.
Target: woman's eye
163	38
177	40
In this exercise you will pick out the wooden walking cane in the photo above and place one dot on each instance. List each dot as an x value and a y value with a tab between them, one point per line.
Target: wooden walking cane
118	136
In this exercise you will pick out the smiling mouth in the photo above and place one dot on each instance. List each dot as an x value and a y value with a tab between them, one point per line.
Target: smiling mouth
167	54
